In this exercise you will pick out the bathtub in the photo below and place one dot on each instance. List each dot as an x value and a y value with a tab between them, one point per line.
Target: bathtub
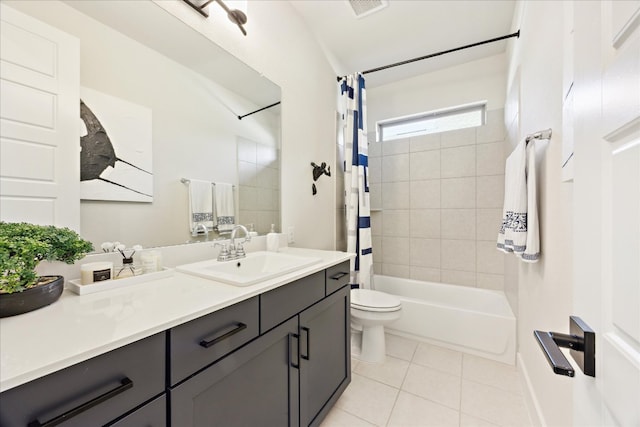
470	320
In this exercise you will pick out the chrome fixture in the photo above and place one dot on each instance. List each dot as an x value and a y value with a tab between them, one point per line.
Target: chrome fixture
236	16
199	229
233	250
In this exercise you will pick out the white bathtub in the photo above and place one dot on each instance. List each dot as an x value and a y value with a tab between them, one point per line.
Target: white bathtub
471	320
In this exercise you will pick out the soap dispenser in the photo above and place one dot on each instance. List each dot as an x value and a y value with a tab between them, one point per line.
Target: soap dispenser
273	239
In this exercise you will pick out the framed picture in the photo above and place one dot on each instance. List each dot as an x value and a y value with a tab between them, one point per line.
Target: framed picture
115	156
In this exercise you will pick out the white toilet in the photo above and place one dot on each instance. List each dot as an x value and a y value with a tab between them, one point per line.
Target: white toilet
370	311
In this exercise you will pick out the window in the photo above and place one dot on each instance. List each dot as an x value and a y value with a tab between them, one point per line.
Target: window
463	116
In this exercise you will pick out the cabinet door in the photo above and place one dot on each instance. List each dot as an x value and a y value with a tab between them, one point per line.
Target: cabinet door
257	385
325	356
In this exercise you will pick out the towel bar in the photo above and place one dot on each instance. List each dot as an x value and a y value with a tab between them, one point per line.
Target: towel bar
581	341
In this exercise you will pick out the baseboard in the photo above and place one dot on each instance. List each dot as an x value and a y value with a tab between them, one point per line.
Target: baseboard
533	406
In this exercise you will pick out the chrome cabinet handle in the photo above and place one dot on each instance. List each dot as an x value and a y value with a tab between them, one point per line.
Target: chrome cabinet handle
125	384
238	327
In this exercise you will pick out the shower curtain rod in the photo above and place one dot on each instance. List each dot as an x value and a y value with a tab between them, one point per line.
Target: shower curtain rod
258	110
408	61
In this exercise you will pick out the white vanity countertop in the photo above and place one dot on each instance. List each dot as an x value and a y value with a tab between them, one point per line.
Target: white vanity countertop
77	328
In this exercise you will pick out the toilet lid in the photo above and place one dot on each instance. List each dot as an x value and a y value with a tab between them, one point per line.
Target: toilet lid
370	300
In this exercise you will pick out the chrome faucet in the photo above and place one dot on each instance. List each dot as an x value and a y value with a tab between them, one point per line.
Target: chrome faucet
237	251
198	228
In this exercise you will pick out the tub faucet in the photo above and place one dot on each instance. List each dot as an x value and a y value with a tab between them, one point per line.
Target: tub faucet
198	228
238	250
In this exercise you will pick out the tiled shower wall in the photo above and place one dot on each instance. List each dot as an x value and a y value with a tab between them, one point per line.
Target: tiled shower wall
437	205
259	179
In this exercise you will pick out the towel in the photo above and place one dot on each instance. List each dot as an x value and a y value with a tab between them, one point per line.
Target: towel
519	230
200	204
224	211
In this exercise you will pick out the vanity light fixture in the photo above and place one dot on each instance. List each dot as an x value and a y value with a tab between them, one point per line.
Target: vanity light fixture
236	16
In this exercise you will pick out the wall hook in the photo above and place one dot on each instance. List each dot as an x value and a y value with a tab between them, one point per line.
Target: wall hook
318	171
581	341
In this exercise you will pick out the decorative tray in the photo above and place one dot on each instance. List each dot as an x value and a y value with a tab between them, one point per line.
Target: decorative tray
105	285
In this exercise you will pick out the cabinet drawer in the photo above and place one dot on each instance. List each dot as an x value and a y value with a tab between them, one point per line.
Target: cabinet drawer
337	277
153	414
202	341
281	303
93	392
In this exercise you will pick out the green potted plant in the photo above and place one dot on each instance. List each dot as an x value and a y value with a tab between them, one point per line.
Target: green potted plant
22	247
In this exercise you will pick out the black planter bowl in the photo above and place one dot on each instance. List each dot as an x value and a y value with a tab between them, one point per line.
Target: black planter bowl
32	298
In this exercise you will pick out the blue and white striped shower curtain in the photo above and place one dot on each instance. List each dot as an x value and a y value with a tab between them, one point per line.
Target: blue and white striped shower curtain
356	179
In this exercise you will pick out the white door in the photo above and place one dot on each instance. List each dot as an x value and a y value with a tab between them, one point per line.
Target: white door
607	207
39	122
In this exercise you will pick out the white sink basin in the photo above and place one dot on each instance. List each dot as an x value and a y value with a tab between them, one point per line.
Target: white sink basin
256	267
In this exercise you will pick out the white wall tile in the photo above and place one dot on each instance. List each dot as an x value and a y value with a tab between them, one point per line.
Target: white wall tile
458	224
458	193
494	130
425	223
459	255
395	223
395	168
375	169
375	195
488	224
457	138
425	274
375	149
395	195
425	253
494	282
425	165
396	146
396	270
458	162
376	223
425	142
376	245
490	193
247	173
490	260
462	278
396	250
490	159
425	194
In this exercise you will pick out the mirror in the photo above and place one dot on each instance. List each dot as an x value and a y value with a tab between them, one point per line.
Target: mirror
138	52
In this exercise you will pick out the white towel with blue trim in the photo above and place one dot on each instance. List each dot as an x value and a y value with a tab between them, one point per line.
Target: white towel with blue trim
200	204
519	231
224	207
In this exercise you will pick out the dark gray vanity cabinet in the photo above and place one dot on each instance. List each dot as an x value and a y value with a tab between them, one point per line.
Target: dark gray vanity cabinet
257	385
325	355
290	375
94	392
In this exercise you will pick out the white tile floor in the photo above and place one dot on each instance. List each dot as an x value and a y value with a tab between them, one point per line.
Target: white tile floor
425	385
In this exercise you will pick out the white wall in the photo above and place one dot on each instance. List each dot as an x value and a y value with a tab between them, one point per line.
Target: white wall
279	46
545	288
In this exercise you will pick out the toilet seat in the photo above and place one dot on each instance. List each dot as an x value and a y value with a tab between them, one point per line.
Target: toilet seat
370	300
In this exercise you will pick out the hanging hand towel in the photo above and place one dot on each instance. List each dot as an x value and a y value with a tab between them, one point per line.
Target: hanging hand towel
200	204
224	207
519	230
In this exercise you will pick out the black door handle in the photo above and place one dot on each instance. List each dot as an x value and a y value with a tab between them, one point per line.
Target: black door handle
308	334
238	327
582	342
125	384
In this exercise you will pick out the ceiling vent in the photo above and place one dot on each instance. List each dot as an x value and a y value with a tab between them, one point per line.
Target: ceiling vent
363	8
